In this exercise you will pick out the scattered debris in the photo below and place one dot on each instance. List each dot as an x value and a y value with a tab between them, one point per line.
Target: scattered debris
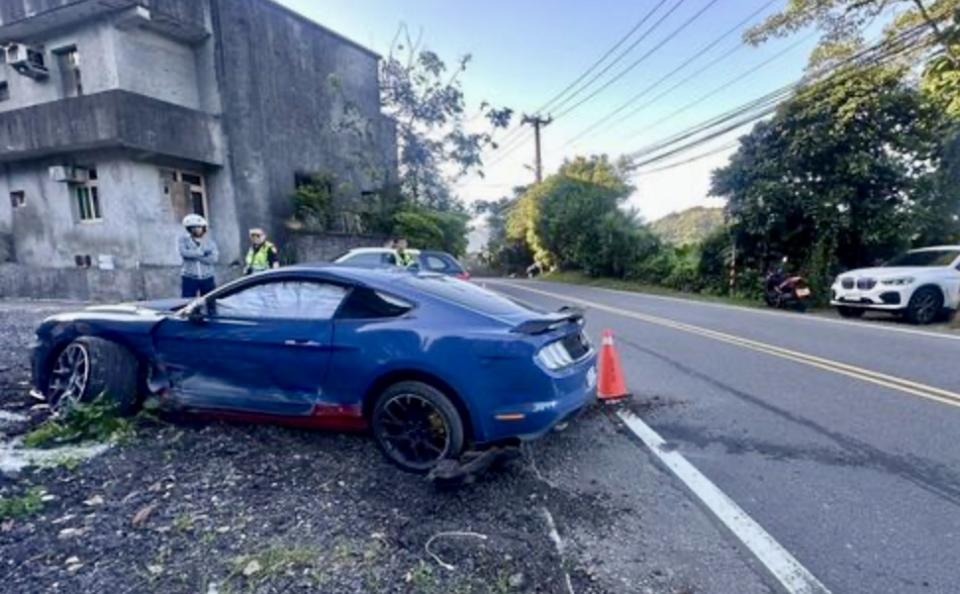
436	558
140	518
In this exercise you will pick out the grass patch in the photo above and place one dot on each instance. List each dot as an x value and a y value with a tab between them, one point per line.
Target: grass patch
578	278
21	506
274	561
96	421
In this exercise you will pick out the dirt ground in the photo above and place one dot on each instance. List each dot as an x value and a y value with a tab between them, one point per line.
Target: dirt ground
212	508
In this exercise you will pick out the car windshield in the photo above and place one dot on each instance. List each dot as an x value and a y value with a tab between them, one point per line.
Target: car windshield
925	258
467	295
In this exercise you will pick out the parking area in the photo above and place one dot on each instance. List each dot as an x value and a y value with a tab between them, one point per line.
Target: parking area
189	506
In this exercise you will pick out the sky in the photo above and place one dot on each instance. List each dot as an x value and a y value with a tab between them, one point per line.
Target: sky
525	52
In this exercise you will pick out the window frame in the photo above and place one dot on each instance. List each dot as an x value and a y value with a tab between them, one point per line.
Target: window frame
93	205
71	74
18	199
4	90
210	301
176	176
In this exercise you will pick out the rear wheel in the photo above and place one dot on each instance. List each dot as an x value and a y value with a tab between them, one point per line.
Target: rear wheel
925	306
850	312
90	367
417	426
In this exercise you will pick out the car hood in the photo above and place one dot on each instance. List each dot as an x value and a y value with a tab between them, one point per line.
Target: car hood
895	271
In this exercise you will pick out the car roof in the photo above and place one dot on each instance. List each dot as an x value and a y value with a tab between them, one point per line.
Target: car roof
937	248
377	250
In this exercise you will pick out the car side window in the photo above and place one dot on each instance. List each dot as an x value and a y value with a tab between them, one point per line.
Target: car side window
389	259
436	264
299	300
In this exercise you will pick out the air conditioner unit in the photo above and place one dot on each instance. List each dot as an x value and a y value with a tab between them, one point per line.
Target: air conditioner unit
64	173
27	60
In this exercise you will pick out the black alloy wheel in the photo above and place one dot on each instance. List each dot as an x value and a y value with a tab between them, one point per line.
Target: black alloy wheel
417	426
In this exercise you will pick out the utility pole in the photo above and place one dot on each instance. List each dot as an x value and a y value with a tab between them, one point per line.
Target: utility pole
537	122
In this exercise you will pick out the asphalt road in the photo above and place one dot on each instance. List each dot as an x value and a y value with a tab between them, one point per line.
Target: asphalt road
839	438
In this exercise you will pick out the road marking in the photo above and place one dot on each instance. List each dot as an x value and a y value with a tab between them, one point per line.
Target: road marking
881	379
792	577
765	312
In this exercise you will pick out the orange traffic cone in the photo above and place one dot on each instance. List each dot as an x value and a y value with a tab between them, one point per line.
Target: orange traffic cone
612	387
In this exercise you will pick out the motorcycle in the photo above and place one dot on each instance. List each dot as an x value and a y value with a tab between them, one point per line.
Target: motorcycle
786	292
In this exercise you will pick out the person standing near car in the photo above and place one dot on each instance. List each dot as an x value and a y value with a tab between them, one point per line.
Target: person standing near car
263	254
199	254
404	258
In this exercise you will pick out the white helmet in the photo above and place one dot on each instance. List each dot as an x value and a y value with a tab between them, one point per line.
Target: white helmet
194	220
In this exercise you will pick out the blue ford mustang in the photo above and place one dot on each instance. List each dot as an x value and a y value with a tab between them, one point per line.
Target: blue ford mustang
431	364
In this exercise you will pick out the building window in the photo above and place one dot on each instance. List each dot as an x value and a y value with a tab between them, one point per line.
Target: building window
186	190
68	60
87	197
4	90
18	198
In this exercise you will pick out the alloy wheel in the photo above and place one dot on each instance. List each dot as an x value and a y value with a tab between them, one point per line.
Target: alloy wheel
926	308
413	430
68	378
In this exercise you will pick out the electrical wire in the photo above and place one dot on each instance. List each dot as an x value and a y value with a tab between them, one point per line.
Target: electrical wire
701	52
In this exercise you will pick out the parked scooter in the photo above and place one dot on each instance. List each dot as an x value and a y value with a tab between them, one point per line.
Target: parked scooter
786	292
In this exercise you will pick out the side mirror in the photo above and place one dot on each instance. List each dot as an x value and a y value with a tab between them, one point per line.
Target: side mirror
198	312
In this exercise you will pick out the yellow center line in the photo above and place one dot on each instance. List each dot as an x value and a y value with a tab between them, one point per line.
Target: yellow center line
866	375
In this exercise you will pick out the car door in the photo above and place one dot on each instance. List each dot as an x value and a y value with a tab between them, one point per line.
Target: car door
261	348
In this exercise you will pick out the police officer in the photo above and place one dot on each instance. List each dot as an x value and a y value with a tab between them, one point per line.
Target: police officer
262	255
404	258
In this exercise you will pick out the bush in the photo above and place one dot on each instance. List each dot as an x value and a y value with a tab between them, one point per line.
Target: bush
313	202
428	229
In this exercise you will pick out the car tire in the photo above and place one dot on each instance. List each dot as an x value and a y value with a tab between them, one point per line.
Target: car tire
417	426
107	369
850	312
926	305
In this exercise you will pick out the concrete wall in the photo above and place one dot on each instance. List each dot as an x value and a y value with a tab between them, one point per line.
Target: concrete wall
96	285
94	42
309	104
324	247
139	227
156	66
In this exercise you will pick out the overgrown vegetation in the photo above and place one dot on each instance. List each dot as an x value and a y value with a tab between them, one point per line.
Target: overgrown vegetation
688	227
851	170
21	506
313	202
96	421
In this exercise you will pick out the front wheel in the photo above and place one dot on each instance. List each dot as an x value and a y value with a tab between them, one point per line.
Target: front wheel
90	367
417	426
925	305
850	312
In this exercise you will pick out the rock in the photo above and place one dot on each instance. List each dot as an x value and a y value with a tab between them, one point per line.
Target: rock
155	569
70	533
517	581
251	568
47	497
94	501
143	515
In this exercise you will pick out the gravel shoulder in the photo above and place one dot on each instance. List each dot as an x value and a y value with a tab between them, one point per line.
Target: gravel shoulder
188	506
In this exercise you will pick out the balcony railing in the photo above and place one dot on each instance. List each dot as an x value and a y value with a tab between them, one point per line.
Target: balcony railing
112	119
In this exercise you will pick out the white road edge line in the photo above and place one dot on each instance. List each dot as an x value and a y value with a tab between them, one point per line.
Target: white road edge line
800	317
790	575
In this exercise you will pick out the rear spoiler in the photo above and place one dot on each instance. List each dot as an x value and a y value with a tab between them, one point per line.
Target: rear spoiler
565	315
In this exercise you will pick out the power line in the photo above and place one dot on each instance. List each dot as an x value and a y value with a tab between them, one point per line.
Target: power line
767	104
638	61
702	51
693	159
600	60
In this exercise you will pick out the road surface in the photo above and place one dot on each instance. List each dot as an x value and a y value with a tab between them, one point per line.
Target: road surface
839	438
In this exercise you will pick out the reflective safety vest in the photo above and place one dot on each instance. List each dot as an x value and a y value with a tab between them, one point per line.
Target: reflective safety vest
258	260
404	258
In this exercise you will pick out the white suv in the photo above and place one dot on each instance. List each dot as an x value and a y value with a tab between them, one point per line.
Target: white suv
920	284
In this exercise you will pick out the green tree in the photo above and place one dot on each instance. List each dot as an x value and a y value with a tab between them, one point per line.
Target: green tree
429	229
426	100
843	175
844	23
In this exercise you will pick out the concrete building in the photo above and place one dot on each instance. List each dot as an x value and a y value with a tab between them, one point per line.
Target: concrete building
119	117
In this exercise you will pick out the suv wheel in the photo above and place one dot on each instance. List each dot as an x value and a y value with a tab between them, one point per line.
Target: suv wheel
90	367
925	306
417	426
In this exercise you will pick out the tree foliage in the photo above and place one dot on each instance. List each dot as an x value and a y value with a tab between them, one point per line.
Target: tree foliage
426	100
429	229
844	23
845	174
688	227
